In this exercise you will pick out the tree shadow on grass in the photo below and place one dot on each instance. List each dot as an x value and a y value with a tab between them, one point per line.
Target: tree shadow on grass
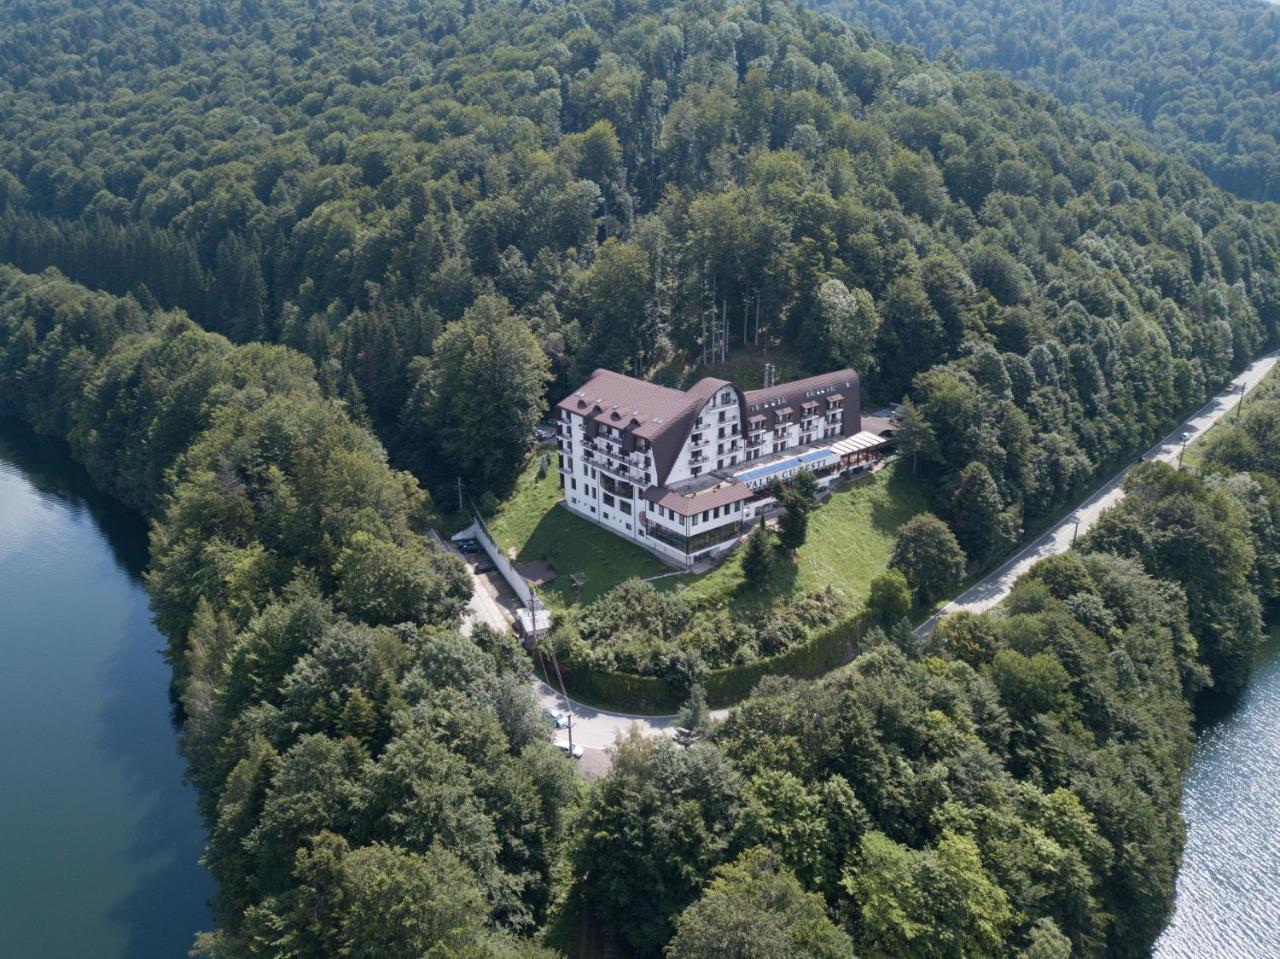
902	497
784	582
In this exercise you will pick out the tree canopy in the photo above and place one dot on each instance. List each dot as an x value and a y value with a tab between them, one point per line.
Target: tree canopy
645	188
1194	77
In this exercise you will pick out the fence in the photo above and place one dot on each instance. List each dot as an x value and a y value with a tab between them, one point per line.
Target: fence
518	584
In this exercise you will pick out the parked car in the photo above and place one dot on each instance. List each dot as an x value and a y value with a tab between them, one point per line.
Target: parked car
543	435
559	719
575	752
468	546
484	566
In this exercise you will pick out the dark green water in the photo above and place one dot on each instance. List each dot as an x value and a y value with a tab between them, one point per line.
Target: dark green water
1228	899
100	837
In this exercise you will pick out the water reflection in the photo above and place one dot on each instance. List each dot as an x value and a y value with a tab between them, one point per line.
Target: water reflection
102	838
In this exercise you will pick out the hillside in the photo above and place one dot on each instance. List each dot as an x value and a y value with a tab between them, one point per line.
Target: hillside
596	184
435	213
1195	77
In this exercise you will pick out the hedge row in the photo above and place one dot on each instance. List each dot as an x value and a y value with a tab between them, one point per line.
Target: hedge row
826	649
630	692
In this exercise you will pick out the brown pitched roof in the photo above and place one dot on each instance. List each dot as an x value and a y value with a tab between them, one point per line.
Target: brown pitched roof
659	414
827	387
689	504
664	416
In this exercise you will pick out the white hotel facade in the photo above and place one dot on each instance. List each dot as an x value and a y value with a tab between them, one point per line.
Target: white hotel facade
681	473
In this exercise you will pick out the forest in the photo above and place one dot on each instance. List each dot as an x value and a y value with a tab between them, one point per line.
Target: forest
327	699
457	210
1193	77
282	269
376	784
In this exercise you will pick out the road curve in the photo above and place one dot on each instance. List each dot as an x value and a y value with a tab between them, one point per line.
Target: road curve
596	729
996	585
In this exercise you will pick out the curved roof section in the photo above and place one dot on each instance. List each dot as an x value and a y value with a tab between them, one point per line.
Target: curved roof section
768	403
659	414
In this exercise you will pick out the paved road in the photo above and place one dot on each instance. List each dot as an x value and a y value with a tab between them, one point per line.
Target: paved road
593	729
995	587
596	729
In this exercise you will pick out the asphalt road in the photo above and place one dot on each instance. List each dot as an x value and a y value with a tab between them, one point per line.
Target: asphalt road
995	587
596	729
593	729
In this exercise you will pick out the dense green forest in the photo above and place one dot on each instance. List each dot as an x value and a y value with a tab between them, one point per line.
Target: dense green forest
1007	786
374	783
627	184
409	221
1195	77
378	785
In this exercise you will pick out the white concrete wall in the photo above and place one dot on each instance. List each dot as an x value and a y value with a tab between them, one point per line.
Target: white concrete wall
726	402
519	585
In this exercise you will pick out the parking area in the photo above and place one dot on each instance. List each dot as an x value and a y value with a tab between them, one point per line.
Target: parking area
492	601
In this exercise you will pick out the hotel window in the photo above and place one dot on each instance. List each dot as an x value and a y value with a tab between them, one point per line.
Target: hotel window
573	483
608	500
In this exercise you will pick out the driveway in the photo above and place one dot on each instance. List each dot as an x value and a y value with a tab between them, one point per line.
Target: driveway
996	586
596	729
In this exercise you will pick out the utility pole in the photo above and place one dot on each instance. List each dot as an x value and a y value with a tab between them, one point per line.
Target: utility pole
1182	451
568	704
461	508
1075	533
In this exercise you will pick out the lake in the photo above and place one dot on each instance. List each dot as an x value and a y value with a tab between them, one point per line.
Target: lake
1228	899
100	833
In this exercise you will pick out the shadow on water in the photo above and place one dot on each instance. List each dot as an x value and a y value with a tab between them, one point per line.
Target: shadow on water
163	902
166	905
1212	707
47	465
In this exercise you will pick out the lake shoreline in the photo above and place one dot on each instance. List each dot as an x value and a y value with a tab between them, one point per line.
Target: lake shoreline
103	834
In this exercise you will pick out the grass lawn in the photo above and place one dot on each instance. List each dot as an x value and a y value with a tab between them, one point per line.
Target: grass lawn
531	523
744	366
850	540
1269	385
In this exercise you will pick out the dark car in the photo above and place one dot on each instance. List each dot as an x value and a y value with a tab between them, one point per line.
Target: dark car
468	546
484	566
